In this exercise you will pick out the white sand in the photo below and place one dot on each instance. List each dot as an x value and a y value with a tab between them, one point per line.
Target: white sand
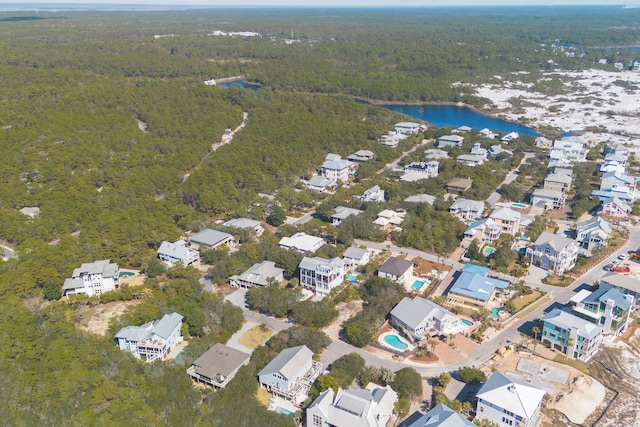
584	395
593	101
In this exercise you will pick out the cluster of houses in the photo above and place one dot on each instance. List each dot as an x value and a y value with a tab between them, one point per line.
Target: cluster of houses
617	191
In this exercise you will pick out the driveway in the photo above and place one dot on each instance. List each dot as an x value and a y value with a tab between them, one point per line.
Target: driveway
511	176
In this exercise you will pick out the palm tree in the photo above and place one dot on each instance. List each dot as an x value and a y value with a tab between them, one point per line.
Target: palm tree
433	343
536	331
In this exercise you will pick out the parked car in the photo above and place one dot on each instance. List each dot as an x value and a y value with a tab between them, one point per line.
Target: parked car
623	257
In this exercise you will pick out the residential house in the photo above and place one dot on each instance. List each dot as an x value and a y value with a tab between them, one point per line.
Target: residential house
547	199
458	185
245	224
421	198
593	233
488	133
361	156
177	252
462	129
572	149
210	239
630	286
442	416
615	148
302	242
473	289
577	338
92	279
613	206
554	252
154	340
374	194
471	159
30	211
622	192
290	374
342	213
336	169
390	220
321	275
558	182
408	128
321	184
429	169
485	230
351	408
397	269
477	150
511	136
509	401
507	219
542	142
496	150
450	141
435	154
392	139
418	318
355	257
466	209
605	307
612	180
612	166
260	274
218	365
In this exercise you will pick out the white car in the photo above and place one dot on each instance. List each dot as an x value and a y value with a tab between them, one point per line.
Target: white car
623	257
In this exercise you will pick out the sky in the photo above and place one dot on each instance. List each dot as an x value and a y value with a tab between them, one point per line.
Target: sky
320	3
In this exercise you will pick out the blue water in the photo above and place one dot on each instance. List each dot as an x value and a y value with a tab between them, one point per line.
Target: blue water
242	84
417	284
395	342
351	277
519	205
451	115
126	274
489	250
467	322
285	412
495	312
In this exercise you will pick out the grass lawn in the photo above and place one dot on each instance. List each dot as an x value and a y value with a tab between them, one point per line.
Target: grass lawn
526	300
263	396
573	363
255	337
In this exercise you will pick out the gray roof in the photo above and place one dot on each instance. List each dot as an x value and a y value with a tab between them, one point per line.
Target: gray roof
210	237
452	138
220	359
260	273
177	250
556	241
543	192
70	283
244	223
288	362
312	263
342	212
569	321
603	294
412	312
320	181
135	333
505	214
442	416
395	266
355	253
421	198
356	408
559	177
167	324
622	281
618	176
104	267
467	205
594	223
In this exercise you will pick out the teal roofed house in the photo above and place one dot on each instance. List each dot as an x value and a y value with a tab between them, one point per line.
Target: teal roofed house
606	307
473	289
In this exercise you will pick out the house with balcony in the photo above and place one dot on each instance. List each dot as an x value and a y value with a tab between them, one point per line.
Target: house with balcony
218	365
321	275
442	416
245	224
336	169
558	182
92	279
418	318
154	340
177	252
457	186
321	184
408	128
485	230
629	286
547	199
477	150
397	269
210	239
355	257
511	136
507	219
392	139
428	169
260	274
361	156
473	289
572	149
607	308
575	337
373	194
471	159
450	141
611	180
554	253
615	148
593	233
302	242
389	220
342	213
487	133
290	374
466	209
352	408
508	401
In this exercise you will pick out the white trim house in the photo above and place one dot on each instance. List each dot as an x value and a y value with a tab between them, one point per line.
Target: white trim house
419	318
553	252
172	253
154	340
321	275
92	278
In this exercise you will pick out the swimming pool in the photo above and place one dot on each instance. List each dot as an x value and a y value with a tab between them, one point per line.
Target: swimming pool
519	205
283	411
467	322
417	285
489	250
351	277
395	342
126	274
495	312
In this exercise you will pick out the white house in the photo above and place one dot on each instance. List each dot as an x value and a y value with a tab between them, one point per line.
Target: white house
154	340
374	194
593	233
509	401
477	150
466	209
210	239
290	374
614	179
302	242
355	257
485	230
419	318
421	198
390	220
615	147
450	141
471	159
321	275
558	182
408	128
245	224
554	252
429	169
397	269
335	168
320	183
342	213
92	278
352	408
261	274
507	219
572	149
172	253
511	136
543	142
547	199
392	139
461	129
435	154
487	133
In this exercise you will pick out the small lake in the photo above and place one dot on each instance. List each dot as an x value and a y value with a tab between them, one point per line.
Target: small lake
452	115
254	87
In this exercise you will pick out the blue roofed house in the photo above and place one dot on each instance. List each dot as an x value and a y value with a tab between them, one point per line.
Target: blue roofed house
418	318
574	336
154	340
442	416
593	233
473	289
606	307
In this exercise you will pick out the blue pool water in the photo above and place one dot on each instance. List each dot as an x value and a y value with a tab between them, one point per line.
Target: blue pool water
351	277
285	412
126	274
495	312
417	285
519	205
242	84
489	250
395	342
467	322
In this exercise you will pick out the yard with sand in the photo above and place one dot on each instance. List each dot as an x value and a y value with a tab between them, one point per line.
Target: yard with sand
256	336
95	319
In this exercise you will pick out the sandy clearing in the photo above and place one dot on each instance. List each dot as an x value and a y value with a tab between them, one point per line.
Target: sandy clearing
96	319
584	394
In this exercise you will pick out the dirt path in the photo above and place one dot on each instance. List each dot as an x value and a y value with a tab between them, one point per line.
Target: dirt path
226	138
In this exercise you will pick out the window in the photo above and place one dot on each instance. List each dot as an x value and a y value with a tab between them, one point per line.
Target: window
317	421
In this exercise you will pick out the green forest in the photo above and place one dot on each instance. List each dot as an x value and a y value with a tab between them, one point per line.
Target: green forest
110	132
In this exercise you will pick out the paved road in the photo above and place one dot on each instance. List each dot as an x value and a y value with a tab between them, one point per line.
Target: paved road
511	176
409	251
394	164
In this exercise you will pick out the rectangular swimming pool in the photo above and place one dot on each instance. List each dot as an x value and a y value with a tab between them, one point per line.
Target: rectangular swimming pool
417	285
